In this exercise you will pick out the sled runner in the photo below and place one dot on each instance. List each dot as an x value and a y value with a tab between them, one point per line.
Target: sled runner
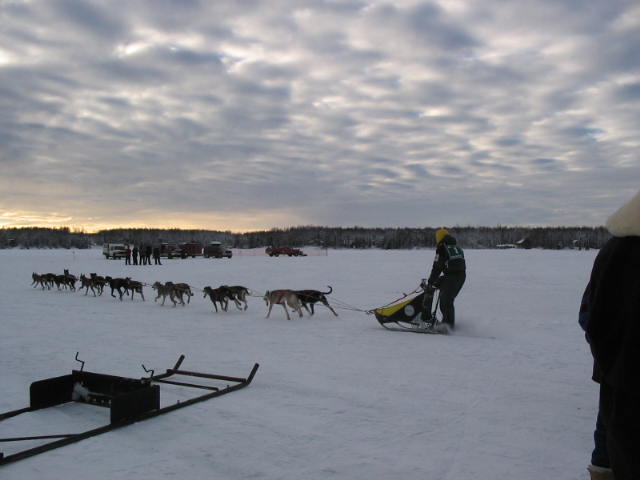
412	313
129	400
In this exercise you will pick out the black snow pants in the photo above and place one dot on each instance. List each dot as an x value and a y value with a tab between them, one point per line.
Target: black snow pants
450	286
621	417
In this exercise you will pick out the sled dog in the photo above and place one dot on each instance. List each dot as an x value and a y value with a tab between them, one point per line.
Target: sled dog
237	294
284	298
217	295
180	289
134	286
86	283
164	291
117	284
308	298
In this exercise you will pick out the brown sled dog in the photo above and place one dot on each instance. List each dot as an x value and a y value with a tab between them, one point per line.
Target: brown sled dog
284	298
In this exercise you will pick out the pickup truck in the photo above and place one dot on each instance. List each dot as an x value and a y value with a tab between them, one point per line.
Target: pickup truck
291	252
114	250
216	250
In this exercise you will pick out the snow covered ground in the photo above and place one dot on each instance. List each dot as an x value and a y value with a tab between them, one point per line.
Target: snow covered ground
507	396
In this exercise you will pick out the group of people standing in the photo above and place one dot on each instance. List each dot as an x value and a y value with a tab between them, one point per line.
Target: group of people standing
142	255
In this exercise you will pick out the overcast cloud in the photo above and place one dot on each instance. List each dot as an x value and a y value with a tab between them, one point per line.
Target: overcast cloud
269	113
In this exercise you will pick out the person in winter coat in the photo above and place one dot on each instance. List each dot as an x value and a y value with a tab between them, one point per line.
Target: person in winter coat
612	300
156	256
600	467
448	273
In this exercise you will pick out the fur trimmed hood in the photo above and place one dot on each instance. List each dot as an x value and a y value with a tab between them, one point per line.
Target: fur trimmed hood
626	221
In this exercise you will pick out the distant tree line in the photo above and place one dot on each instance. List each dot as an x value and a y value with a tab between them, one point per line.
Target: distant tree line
329	237
36	237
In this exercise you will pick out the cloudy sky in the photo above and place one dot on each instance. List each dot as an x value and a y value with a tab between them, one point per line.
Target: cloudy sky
254	114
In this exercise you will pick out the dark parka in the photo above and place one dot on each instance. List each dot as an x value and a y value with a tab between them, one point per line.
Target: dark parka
612	309
613	299
449	259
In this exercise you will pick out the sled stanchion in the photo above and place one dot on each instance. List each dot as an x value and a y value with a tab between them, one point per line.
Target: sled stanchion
435	308
253	373
80	361
179	362
148	370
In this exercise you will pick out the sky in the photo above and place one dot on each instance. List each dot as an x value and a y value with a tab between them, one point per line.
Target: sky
274	113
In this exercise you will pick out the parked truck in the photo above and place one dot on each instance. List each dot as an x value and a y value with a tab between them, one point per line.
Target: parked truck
114	250
167	249
216	250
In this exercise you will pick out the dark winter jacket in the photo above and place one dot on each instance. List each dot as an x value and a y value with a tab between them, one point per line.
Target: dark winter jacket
449	259
583	320
613	326
613	302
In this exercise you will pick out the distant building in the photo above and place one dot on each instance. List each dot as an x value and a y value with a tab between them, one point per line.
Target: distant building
524	243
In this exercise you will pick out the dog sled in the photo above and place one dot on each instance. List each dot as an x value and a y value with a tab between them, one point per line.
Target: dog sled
412	313
129	400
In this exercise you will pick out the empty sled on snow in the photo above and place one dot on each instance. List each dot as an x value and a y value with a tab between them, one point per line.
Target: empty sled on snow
411	313
129	400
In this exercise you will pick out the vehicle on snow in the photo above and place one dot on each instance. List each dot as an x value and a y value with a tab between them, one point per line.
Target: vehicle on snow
190	249
168	250
114	250
216	250
291	252
182	250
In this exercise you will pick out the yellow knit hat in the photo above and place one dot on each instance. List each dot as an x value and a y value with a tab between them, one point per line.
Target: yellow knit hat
440	234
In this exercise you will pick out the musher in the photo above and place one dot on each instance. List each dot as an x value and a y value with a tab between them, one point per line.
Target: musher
448	274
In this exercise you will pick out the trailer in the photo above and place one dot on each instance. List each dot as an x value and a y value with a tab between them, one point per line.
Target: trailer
288	251
129	400
190	249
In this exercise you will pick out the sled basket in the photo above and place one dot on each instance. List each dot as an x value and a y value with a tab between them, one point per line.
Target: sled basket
411	313
406	310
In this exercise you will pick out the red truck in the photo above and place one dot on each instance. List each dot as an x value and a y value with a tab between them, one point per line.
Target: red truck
291	252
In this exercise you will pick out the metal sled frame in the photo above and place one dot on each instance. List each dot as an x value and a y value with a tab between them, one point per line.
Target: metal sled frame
409	327
129	400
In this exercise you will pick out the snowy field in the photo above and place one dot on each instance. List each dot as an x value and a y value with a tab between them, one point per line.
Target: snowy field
507	396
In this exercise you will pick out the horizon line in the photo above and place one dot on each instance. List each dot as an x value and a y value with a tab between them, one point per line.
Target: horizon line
82	230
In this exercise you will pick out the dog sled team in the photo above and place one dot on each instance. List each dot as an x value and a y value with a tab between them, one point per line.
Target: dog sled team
415	312
447	276
221	296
